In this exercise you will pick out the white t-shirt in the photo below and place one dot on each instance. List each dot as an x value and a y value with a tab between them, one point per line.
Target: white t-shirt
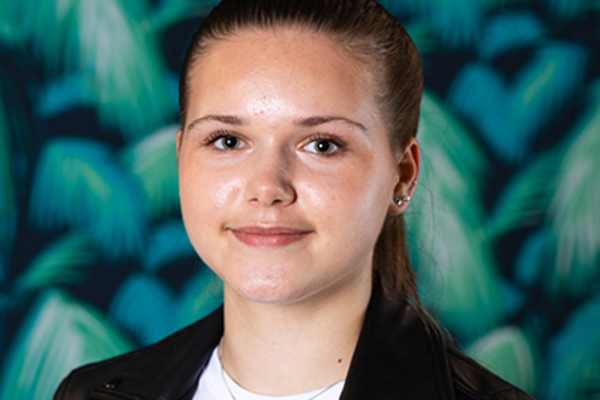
212	386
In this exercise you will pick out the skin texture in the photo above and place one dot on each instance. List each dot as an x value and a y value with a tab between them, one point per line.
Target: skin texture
289	229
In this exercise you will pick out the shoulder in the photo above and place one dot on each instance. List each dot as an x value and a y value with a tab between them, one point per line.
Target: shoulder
473	381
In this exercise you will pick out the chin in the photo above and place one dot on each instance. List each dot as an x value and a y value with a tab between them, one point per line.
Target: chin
268	287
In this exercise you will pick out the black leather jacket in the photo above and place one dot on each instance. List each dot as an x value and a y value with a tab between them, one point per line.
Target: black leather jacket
399	355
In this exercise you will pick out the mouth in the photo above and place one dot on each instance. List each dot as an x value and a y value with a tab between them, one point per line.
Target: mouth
257	236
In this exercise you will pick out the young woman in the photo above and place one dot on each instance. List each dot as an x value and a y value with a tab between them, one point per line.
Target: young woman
297	158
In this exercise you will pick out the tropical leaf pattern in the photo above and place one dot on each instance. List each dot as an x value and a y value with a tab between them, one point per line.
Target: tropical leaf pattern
57	335
504	229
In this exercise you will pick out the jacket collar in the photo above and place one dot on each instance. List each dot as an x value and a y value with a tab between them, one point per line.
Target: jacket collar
398	354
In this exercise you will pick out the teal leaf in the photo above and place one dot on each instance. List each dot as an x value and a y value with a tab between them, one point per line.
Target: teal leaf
398	8
11	35
513	297
497	4
169	242
480	93
456	23
57	335
509	117
201	295
574	356
451	251
422	33
152	163
510	353
524	201
62	262
143	305
510	31
111	47
64	94
574	208
77	185
568	9
169	12
536	258
545	85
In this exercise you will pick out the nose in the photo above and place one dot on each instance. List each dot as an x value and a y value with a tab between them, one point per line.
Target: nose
270	180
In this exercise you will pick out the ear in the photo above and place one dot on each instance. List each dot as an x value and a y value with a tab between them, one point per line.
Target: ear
409	165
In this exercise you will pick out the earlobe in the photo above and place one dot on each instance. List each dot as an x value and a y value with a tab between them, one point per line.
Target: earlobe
408	170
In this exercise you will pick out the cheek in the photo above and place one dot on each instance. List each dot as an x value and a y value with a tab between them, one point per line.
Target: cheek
205	197
349	199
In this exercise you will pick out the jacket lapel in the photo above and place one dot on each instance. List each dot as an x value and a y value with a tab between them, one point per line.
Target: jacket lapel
167	370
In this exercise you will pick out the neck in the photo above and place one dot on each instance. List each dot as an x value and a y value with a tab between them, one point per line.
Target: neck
293	348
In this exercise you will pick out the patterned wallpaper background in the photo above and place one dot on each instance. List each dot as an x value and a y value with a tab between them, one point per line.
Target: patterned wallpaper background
504	229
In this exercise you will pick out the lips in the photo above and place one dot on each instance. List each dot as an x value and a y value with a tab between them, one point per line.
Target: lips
257	236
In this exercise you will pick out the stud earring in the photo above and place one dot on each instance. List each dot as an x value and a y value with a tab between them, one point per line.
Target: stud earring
399	201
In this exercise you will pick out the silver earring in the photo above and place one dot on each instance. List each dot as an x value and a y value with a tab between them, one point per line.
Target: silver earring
399	201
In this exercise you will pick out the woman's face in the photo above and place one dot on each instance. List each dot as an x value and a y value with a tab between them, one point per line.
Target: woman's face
286	173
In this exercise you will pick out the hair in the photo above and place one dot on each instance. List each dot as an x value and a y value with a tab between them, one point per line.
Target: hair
372	36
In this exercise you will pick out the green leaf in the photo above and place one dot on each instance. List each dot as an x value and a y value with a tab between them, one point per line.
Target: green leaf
200	296
57	335
574	356
524	201
62	262
170	12
152	162
450	249
77	185
143	305
112	47
451	136
574	207
508	352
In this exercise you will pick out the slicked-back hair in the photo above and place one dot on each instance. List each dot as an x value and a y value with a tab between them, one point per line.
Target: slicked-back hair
374	38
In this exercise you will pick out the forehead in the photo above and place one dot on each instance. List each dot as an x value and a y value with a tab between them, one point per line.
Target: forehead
284	62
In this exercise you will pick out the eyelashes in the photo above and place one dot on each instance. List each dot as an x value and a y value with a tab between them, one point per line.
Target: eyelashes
323	144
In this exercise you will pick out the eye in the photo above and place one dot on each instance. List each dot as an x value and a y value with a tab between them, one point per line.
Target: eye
227	142
321	146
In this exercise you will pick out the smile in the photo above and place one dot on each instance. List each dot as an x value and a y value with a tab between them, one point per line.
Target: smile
256	236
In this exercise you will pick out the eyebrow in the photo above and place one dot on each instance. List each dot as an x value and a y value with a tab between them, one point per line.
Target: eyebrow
226	119
320	120
305	122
